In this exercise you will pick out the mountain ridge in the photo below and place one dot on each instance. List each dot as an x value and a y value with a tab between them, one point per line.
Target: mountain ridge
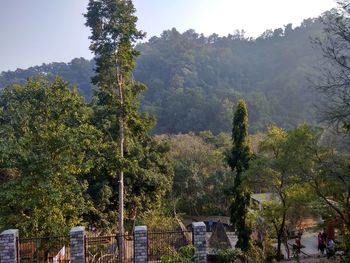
194	81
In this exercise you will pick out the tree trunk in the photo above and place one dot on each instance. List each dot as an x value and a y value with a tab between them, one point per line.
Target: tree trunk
286	244
121	174
134	219
279	238
279	244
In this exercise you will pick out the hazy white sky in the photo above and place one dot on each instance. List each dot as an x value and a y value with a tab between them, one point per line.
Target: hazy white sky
224	16
42	31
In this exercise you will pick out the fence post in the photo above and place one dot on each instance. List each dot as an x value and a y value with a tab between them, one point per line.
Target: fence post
140	244
77	244
199	241
8	246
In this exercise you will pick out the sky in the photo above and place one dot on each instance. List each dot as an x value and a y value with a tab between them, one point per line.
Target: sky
43	31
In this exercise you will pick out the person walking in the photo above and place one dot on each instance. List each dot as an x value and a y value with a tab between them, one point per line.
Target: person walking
330	248
322	246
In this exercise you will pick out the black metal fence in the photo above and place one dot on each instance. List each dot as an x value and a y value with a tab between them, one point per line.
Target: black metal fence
103	249
44	249
166	243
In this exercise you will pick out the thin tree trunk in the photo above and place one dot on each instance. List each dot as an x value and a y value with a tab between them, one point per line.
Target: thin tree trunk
134	219
286	244
279	238
121	174
279	244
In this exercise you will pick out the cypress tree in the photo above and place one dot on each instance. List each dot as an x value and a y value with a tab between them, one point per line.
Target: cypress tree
238	160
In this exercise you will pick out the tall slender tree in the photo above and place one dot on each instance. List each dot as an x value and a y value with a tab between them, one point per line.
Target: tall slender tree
128	150
113	28
113	33
238	160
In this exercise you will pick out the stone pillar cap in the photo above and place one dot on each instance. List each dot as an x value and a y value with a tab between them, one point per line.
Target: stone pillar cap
77	229
140	228
10	231
198	224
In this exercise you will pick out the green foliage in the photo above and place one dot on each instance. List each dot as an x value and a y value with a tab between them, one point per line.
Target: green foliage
238	160
185	254
240	154
77	72
256	254
230	255
193	78
46	141
113	33
201	179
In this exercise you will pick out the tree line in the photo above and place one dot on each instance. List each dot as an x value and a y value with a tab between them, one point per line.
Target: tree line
192	78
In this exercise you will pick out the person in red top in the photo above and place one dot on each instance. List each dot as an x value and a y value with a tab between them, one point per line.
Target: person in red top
297	246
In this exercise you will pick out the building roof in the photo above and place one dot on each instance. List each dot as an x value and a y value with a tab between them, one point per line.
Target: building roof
189	219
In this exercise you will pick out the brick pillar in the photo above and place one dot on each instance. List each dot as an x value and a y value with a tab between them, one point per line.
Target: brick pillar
140	244
8	246
199	241
77	244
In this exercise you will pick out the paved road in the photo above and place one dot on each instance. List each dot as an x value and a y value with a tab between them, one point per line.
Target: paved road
309	243
308	240
310	260
310	252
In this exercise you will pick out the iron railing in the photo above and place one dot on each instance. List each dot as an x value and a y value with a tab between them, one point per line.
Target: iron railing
166	243
101	249
44	249
105	249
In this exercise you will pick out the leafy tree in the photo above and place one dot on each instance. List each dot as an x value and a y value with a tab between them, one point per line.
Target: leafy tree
45	143
238	160
284	160
330	181
128	146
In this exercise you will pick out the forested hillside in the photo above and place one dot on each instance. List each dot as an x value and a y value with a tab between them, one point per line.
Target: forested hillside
194	81
235	133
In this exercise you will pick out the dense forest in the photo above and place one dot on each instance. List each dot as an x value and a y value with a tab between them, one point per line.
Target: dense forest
192	78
